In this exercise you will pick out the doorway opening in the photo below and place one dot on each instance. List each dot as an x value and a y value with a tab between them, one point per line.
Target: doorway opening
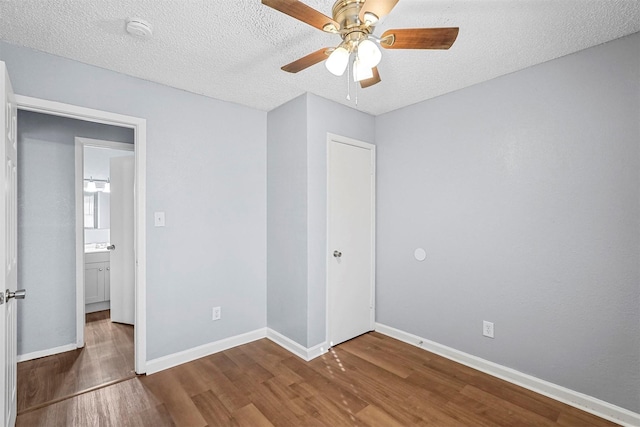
94	321
104	179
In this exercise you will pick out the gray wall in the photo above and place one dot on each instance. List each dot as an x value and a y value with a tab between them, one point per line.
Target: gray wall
525	193
46	226
297	219
206	168
97	162
287	220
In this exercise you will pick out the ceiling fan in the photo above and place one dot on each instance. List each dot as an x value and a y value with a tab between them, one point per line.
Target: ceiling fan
355	21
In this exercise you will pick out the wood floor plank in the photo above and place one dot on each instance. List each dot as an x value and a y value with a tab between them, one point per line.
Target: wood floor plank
227	392
376	417
280	412
167	389
372	354
212	409
250	416
376	386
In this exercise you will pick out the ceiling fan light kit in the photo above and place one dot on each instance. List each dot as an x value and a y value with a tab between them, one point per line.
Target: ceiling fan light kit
361	71
369	53
337	62
354	21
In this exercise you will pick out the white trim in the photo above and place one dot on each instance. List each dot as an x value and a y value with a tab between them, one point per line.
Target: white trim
175	359
80	300
101	143
48	352
140	148
61	109
570	397
372	148
97	306
291	346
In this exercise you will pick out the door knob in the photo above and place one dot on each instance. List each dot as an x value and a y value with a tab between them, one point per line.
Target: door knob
19	294
111	247
337	254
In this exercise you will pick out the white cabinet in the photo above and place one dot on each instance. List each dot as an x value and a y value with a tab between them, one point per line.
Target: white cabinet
96	277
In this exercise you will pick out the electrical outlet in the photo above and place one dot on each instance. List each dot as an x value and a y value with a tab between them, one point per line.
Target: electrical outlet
217	313
487	329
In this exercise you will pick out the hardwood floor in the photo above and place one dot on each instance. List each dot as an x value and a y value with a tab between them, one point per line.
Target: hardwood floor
107	357
372	380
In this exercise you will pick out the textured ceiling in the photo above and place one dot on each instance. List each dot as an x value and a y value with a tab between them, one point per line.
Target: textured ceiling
233	50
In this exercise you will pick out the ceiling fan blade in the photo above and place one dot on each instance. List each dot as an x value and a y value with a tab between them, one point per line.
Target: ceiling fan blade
304	13
380	8
308	61
372	81
419	38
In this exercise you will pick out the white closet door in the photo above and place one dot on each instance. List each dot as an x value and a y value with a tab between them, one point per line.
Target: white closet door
351	224
122	259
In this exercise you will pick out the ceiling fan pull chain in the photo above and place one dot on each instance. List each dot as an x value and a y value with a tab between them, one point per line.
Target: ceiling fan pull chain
349	81
356	83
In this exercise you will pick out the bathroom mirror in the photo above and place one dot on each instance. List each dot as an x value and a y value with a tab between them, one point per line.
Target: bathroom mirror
96	210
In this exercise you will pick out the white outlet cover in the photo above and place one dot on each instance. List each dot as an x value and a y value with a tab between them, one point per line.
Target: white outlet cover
487	329
420	254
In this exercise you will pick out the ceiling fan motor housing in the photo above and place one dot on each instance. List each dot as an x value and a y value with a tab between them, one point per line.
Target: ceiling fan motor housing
347	14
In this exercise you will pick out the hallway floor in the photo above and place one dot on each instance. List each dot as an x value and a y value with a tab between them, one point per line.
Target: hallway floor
106	358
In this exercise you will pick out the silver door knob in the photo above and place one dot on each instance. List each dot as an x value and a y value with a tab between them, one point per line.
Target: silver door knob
337	254
19	294
111	247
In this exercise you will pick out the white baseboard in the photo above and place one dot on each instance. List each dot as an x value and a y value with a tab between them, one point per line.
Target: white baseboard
302	352
97	306
45	353
175	359
576	399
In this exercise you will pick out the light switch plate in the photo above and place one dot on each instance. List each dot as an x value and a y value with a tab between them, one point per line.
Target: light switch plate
158	219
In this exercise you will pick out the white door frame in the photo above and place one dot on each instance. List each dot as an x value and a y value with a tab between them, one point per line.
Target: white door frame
139	127
349	141
80	144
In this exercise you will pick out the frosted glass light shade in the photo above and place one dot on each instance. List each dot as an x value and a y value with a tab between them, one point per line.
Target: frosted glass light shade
361	71
337	61
369	53
107	187
91	187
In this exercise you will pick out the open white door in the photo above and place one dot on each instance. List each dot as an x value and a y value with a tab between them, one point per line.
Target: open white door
122	260
8	251
351	239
